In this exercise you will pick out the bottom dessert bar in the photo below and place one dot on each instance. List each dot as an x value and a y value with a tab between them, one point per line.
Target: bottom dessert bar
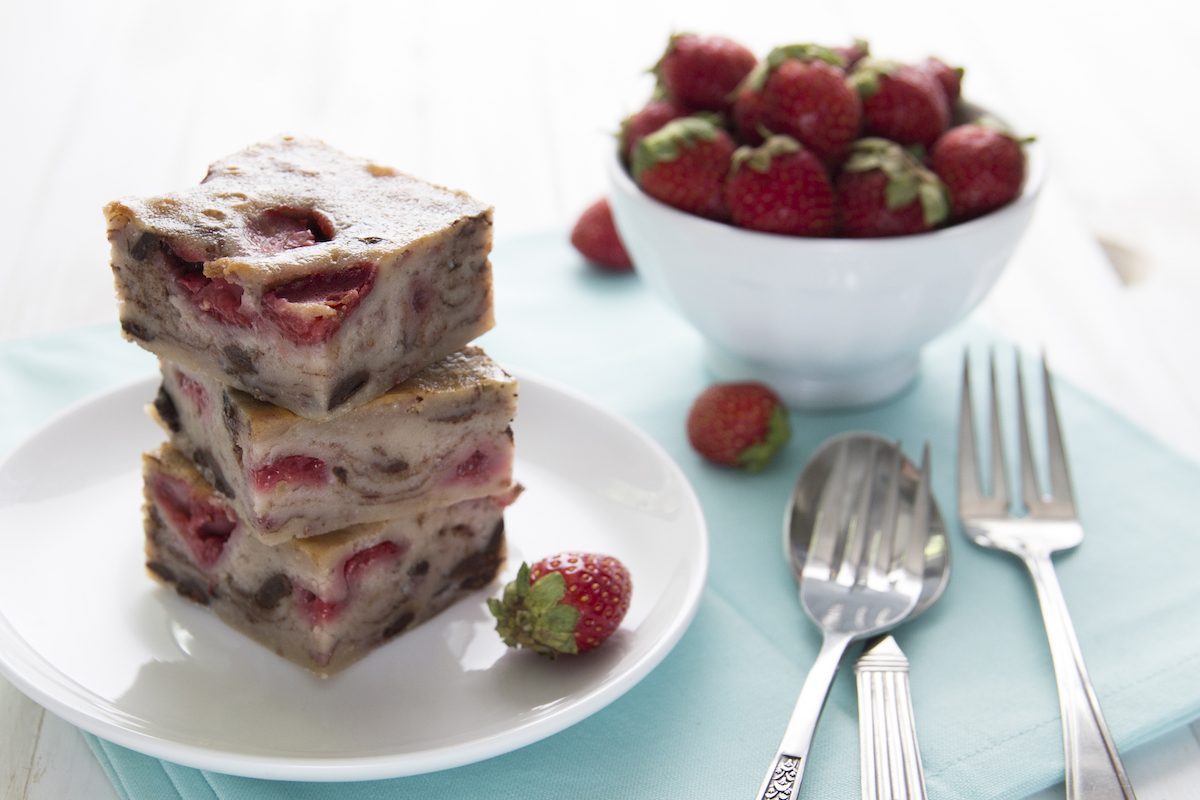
326	601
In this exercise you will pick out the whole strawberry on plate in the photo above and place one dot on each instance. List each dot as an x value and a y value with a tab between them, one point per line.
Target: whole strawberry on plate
901	102
568	603
684	164
780	187
983	167
702	72
885	191
595	237
738	425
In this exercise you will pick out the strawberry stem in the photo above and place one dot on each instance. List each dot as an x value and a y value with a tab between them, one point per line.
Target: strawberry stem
532	616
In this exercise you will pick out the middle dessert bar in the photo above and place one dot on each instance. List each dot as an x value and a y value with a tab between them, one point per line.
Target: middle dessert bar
442	436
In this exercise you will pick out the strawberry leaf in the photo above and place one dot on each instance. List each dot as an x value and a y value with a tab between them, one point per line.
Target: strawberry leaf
665	143
532	616
757	78
866	75
935	202
759	158
779	429
545	594
803	52
562	618
901	191
908	179
550	643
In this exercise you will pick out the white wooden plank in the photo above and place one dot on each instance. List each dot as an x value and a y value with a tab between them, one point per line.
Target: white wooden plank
20	725
64	767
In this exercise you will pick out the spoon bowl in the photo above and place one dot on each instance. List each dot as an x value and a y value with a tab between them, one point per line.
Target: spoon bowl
800	519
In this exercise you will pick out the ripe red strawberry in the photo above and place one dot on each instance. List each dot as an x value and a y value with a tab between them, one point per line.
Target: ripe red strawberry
901	102
703	71
568	603
651	117
738	425
853	54
983	168
595	237
751	114
803	91
780	187
684	165
950	78
884	191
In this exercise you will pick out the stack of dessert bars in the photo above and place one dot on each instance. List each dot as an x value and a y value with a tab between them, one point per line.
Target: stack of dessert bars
339	456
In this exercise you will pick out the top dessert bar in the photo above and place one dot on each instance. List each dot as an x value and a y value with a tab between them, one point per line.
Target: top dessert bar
310	279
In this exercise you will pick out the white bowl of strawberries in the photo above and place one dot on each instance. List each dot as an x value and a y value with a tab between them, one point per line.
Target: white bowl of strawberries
821	224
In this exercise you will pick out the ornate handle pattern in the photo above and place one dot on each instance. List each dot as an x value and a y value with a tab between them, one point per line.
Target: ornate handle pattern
782	781
784	778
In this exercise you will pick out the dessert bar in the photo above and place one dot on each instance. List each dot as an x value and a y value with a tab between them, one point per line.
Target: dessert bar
441	436
307	278
326	601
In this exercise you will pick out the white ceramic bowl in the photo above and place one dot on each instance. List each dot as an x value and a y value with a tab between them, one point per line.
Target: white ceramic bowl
827	323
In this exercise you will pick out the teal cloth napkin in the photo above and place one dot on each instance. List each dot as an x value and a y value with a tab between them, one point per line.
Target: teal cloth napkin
706	721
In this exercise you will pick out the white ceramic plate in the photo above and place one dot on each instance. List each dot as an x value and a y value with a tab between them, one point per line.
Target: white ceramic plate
86	633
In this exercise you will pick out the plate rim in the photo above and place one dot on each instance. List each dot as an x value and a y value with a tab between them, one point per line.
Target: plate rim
354	768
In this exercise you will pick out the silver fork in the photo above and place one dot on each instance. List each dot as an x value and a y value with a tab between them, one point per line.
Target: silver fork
1093	766
859	578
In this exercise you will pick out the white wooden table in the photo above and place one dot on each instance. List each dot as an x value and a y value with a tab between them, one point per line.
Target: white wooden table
516	102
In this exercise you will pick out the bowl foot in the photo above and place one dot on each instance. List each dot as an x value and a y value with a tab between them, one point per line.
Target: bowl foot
805	391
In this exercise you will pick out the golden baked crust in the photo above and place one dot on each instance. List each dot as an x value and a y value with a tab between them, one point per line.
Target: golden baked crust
364	208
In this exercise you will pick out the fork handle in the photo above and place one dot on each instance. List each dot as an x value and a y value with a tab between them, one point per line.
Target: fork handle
1093	766
782	781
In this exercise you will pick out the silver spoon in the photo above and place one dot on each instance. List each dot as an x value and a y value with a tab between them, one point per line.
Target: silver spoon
800	517
868	546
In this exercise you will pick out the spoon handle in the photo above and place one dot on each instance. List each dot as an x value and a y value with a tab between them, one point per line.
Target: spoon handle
782	781
891	761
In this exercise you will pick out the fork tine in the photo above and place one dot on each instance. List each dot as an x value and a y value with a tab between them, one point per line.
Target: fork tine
883	539
850	569
1032	495
1062	499
822	548
969	483
914	549
999	494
